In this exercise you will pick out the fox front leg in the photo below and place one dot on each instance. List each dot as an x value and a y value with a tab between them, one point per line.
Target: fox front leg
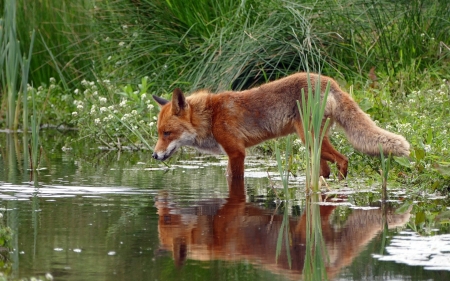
235	163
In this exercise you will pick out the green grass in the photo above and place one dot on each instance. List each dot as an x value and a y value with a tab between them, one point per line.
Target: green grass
64	30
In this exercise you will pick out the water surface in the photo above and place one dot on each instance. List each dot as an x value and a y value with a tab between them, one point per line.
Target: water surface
108	215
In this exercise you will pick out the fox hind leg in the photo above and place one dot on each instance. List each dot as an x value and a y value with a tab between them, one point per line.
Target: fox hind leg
329	153
324	168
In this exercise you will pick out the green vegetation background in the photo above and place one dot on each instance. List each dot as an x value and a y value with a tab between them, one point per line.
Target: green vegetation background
95	64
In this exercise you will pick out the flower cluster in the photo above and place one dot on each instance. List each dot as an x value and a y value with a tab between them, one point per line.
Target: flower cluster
116	116
55	104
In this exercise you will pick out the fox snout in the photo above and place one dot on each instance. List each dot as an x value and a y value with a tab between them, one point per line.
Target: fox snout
155	156
161	156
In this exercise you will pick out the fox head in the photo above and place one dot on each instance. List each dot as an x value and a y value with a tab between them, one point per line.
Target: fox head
174	127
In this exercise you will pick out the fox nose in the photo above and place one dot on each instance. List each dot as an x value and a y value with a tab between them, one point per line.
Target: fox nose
154	155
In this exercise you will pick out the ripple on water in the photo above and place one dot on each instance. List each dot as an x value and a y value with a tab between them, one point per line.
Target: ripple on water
431	252
24	192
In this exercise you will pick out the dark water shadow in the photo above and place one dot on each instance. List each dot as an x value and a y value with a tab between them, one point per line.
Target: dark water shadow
232	229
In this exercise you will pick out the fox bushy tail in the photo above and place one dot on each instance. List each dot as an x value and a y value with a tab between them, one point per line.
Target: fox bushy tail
362	132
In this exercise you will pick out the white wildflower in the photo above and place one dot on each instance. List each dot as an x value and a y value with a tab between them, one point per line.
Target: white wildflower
97	121
52	80
121	44
80	106
102	100
133	112
74	113
103	109
125	116
76	91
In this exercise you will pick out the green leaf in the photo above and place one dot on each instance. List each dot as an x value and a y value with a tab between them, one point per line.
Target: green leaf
403	161
429	136
420	153
443	170
406	207
420	218
366	104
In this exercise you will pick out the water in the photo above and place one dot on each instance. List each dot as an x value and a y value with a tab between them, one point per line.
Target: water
106	215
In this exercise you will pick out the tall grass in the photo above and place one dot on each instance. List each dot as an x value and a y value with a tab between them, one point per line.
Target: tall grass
10	58
213	44
13	67
384	172
66	28
25	67
237	44
232	44
400	38
312	110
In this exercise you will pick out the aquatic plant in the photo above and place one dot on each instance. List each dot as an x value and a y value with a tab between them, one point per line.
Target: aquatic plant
312	110
384	172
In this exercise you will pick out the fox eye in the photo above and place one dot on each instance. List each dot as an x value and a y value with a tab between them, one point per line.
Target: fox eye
166	133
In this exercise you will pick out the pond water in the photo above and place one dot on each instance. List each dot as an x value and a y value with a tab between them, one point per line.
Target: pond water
107	215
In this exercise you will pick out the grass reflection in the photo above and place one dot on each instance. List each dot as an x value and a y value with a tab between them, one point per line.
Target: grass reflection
316	255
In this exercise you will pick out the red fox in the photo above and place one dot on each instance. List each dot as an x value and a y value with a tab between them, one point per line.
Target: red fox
229	122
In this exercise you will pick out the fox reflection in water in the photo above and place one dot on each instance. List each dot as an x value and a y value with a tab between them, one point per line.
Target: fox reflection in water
232	229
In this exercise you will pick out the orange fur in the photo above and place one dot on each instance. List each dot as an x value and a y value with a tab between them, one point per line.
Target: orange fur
229	122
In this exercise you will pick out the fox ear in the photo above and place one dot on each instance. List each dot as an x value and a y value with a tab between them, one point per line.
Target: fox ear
178	102
160	100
